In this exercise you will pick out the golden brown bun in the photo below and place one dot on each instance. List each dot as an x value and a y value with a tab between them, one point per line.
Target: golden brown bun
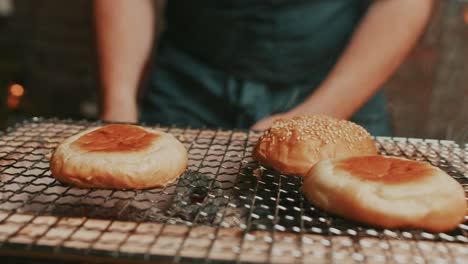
293	146
119	156
387	192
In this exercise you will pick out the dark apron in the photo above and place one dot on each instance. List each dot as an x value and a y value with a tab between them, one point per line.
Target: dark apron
231	63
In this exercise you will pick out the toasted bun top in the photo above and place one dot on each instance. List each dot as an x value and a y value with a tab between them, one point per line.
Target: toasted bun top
292	146
316	127
116	138
386	170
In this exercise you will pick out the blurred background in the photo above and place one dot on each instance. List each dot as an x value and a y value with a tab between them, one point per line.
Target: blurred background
48	68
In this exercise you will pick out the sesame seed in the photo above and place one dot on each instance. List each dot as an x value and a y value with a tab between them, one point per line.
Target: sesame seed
315	127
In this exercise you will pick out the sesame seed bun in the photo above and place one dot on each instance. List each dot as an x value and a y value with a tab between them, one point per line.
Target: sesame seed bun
292	146
119	156
387	192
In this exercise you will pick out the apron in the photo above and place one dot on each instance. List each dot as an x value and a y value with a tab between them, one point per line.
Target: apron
230	63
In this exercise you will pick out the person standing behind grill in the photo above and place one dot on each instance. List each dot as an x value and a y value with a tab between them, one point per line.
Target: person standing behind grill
244	63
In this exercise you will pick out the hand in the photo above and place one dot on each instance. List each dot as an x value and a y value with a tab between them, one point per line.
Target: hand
266	122
128	114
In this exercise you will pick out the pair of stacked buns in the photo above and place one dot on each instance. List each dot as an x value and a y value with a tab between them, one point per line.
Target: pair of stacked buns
344	174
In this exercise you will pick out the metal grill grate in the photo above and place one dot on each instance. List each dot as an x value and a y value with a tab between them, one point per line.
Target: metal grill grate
224	208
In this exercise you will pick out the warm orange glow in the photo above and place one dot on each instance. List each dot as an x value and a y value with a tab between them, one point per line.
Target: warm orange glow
16	90
465	14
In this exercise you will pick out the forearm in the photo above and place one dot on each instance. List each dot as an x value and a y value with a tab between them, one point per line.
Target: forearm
124	33
381	42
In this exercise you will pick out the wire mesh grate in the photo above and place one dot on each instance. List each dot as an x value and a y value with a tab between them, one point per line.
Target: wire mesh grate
224	208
